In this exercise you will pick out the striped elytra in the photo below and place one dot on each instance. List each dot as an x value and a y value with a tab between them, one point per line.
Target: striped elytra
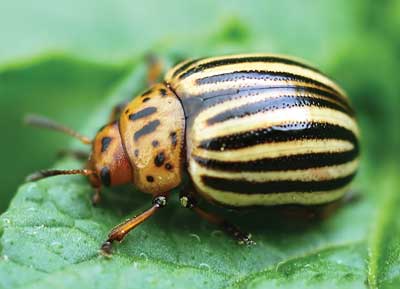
265	130
248	130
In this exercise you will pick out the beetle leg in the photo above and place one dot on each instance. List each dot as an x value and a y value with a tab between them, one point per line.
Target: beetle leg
96	197
188	201
155	69
120	231
77	154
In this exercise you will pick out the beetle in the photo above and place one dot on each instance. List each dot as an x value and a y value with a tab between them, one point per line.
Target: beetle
248	130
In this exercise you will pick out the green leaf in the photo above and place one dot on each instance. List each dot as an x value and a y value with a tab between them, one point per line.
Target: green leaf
51	235
384	270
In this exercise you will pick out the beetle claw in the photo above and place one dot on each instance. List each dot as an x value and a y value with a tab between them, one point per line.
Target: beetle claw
106	248
245	239
96	199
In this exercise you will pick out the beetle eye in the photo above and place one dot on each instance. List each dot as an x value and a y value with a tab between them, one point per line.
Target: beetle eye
105	176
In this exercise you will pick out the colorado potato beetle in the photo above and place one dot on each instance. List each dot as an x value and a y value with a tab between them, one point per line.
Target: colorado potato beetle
248	130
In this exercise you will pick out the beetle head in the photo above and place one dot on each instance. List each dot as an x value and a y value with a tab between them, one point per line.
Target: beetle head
108	158
107	164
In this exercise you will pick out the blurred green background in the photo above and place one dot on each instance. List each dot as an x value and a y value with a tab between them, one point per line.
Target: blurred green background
60	58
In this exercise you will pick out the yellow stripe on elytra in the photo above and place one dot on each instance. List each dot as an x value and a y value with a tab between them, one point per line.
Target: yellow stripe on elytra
252	97
301	198
202	131
312	174
189	84
243	200
199	91
267	67
274	150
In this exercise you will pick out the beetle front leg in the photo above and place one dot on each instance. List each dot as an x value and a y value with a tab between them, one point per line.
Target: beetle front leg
188	201
119	232
79	155
154	70
96	197
116	111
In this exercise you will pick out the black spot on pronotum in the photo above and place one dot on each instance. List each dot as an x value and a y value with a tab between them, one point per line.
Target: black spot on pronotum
155	143
159	159
147	129
105	142
143	113
168	166
163	92
173	137
136	152
146	99
127	111
150	179
105	176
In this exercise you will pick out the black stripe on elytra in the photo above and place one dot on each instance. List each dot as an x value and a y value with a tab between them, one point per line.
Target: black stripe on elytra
272	187
284	163
248	59
143	113
185	66
262	75
271	104
216	97
279	133
147	129
219	96
105	142
105	176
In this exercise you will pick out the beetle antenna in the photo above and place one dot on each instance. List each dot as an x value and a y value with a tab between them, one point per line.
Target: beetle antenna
50	173
43	122
77	154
